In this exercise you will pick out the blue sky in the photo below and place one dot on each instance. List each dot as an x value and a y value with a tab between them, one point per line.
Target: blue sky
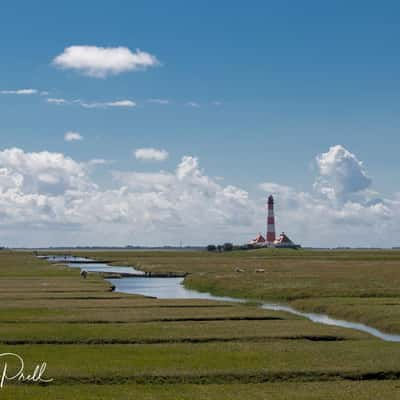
275	84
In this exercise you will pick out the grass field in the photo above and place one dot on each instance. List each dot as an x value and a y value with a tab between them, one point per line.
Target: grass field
362	285
104	345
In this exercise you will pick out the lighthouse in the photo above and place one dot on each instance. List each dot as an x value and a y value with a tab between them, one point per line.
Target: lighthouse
270	239
270	221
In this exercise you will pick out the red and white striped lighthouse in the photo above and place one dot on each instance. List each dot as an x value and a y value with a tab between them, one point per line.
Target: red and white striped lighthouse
270	221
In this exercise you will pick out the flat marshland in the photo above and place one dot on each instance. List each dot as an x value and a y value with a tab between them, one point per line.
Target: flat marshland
100	344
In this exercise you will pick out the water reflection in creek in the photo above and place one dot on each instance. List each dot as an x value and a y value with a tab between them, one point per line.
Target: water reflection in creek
163	288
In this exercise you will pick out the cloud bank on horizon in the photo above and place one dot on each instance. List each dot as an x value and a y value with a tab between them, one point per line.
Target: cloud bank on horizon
58	196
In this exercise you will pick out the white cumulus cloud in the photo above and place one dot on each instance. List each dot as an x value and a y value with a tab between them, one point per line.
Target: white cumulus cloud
99	161
20	91
145	181
193	104
53	100
159	101
151	154
42	172
100	62
341	174
118	103
121	103
125	103
72	136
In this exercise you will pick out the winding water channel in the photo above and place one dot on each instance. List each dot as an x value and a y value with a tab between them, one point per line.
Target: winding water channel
172	288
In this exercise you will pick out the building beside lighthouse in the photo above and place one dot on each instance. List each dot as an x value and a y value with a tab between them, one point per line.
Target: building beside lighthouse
270	239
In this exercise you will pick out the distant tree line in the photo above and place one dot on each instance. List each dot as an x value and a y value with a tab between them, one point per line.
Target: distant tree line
220	247
229	247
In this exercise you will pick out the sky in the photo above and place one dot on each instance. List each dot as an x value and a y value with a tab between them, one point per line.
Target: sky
161	123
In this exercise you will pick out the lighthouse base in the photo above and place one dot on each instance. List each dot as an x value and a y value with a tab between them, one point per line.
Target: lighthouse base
282	242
